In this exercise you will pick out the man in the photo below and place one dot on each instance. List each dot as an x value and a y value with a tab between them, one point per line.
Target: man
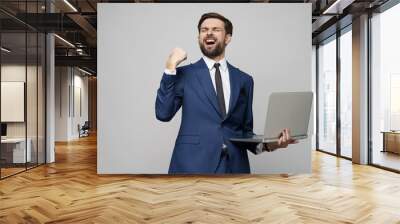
216	100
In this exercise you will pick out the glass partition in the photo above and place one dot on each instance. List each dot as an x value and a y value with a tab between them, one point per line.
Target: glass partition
22	77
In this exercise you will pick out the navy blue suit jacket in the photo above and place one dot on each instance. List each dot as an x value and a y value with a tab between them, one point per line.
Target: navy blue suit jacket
203	130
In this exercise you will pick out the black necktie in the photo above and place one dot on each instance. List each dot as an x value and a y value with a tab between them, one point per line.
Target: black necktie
220	90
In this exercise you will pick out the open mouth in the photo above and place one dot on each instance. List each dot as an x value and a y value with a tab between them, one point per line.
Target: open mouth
210	42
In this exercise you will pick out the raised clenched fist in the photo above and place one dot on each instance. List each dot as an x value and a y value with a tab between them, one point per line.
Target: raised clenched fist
175	58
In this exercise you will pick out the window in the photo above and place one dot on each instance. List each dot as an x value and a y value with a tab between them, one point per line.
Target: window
346	94
327	96
385	88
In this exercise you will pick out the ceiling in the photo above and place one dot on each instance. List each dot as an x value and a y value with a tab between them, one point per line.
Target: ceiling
76	22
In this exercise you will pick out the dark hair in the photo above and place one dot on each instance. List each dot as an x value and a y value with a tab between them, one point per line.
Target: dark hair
228	24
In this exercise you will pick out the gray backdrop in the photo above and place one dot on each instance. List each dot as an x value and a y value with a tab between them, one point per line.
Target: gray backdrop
271	42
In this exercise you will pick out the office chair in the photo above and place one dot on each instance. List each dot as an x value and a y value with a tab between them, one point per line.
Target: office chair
84	130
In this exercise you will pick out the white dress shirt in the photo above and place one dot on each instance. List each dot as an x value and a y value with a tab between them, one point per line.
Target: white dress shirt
226	85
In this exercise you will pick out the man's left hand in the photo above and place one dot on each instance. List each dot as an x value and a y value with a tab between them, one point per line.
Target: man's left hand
284	140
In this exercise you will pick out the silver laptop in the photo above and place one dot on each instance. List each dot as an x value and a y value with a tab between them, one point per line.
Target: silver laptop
285	110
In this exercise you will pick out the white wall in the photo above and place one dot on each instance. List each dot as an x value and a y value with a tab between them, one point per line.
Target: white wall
272	42
18	73
62	80
314	88
68	82
79	117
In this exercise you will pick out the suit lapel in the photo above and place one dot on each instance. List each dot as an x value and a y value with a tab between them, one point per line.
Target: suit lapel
234	80
203	75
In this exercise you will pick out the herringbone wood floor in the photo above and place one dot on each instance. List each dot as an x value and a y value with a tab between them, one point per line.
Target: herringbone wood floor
70	191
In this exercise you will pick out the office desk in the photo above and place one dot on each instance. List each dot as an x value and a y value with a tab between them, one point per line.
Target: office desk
391	141
13	150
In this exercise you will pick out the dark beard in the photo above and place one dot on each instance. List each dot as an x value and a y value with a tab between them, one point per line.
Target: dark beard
217	51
